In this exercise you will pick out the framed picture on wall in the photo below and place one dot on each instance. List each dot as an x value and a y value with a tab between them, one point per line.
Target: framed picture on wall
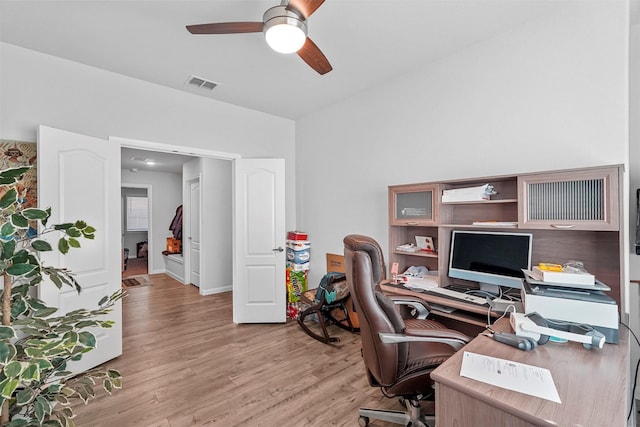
14	154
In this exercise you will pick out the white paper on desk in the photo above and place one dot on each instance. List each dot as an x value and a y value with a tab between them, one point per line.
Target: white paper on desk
511	375
424	282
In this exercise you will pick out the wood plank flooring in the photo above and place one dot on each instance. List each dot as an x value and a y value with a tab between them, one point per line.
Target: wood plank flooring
185	363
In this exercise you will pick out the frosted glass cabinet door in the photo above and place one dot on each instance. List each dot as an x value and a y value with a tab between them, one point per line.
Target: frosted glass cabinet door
573	200
413	205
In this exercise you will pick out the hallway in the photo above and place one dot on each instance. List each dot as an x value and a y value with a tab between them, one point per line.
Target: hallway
135	267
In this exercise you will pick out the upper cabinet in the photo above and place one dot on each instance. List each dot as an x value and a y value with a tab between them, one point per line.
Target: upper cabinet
586	199
413	205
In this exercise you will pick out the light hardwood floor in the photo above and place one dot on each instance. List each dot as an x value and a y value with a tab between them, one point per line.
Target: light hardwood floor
185	363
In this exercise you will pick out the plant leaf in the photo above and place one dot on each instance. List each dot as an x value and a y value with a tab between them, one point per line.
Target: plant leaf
18	307
74	243
8	249
8	386
7	332
21	257
41	245
74	232
33	213
63	246
12	369
31	372
40	410
45	312
23	397
87	339
7	230
20	269
14	173
19	221
9	198
7	352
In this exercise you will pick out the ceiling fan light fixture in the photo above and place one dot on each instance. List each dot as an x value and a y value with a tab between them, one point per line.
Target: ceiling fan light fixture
284	30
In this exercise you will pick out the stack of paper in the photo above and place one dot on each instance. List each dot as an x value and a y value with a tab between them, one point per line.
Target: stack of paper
469	194
572	277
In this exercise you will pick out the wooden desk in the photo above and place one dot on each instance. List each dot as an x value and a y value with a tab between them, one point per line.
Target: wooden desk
592	385
468	318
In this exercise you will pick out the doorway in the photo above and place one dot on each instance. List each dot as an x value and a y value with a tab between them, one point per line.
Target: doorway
193	239
136	229
180	178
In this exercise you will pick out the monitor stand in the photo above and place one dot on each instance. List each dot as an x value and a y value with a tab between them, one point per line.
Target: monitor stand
489	287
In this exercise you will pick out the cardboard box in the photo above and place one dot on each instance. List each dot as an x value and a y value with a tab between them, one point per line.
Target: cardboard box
297	235
174	245
335	263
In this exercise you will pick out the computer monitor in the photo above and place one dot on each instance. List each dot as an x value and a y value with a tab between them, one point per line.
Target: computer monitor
490	258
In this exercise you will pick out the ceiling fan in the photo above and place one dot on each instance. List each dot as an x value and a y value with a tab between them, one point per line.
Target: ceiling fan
285	29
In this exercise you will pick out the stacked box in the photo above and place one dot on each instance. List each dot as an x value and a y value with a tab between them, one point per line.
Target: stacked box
298	255
296	284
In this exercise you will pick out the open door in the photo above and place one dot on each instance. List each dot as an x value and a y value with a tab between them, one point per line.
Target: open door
259	293
194	232
79	178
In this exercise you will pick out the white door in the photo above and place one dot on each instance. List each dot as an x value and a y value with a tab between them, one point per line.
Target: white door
259	291
79	178
194	231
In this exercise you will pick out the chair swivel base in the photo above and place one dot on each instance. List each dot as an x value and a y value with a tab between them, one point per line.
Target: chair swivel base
410	418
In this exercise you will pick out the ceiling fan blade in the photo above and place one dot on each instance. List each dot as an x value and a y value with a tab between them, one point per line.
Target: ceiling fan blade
305	7
226	28
311	54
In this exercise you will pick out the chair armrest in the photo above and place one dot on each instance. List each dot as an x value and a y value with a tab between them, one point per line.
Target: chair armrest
450	337
419	305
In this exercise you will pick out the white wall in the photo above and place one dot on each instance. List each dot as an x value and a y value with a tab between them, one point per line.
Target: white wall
41	89
166	196
549	95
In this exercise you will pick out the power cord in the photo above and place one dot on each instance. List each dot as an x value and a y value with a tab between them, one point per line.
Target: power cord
635	375
511	306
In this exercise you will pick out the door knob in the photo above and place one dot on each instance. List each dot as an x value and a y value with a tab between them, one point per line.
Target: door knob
278	249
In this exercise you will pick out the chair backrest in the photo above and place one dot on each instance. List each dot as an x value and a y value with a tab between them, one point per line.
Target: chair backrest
364	267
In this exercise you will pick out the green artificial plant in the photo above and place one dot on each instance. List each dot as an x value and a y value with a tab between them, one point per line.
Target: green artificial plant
35	345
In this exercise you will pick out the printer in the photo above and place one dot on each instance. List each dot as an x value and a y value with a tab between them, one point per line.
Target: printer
591	307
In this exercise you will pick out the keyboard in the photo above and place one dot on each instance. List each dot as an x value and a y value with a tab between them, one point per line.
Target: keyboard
459	295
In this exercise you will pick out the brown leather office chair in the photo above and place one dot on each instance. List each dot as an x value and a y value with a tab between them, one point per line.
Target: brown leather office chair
398	354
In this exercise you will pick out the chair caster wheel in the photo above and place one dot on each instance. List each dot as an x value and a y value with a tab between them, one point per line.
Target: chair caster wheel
363	421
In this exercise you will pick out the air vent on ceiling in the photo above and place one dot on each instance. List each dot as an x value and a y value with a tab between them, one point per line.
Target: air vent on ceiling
202	83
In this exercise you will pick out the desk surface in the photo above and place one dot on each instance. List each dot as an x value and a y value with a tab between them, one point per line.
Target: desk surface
592	385
466	312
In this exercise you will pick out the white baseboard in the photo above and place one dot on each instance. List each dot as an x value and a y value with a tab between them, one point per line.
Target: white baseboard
175	276
215	290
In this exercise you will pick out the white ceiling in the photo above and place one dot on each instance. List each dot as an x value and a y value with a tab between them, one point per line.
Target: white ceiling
366	41
135	160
